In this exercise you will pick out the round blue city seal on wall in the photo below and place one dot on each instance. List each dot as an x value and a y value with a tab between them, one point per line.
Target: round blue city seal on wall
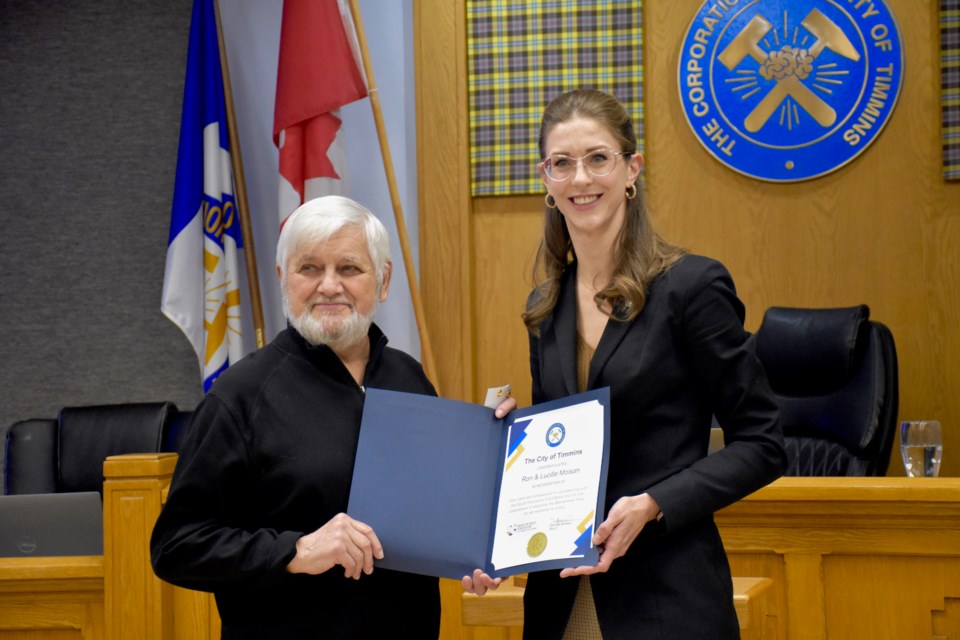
787	90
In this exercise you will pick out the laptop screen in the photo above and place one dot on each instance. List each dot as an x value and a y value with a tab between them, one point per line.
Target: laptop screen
51	524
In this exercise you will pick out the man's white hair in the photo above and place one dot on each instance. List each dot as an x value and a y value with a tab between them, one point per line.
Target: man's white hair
317	220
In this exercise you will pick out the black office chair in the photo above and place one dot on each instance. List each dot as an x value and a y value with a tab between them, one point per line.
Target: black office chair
67	453
834	372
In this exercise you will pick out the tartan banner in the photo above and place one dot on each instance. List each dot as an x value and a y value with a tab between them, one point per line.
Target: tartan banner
950	87
523	53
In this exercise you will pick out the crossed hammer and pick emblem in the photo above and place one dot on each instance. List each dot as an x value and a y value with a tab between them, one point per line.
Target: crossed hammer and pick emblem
789	66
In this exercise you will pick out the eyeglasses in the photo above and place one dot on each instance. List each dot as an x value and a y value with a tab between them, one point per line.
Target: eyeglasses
598	163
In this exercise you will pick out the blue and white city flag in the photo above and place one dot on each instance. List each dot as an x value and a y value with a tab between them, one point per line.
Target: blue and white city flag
201	292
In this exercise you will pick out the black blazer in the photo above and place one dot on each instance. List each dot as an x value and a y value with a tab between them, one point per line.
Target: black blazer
685	358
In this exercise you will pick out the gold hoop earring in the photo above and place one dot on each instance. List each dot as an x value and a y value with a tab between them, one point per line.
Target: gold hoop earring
632	191
550	201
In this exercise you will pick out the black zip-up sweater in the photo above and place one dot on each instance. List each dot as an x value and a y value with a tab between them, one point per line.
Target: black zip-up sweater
268	458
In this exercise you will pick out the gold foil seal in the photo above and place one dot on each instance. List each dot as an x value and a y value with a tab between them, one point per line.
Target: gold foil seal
537	544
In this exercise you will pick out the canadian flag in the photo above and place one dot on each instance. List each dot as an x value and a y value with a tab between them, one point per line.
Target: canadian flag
317	73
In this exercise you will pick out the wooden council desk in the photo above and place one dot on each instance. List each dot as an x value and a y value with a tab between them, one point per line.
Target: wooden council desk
504	607
853	558
846	558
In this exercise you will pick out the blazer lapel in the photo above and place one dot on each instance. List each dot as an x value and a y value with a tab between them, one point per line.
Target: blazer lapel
613	335
565	331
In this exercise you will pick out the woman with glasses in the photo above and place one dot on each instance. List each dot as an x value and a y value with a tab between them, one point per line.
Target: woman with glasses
616	305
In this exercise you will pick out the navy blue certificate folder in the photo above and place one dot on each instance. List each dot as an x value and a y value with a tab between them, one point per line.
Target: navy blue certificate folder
427	479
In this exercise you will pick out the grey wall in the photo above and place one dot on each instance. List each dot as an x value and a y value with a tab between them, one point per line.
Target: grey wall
90	99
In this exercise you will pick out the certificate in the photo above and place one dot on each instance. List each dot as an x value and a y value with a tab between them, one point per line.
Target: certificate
448	488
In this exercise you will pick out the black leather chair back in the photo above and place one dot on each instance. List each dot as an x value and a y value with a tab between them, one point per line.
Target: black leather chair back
31	457
88	435
834	372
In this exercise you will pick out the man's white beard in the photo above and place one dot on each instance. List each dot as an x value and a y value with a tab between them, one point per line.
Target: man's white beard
338	333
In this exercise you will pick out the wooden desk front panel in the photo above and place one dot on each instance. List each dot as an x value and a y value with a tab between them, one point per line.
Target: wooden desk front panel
853	558
52	598
139	605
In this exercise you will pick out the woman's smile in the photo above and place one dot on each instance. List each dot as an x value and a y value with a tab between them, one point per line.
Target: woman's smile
585	200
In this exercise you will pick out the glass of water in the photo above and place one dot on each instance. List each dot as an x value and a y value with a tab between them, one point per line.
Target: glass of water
921	445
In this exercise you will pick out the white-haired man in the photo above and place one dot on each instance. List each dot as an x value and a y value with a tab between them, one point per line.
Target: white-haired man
256	511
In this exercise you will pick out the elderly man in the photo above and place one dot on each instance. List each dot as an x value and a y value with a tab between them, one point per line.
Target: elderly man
256	509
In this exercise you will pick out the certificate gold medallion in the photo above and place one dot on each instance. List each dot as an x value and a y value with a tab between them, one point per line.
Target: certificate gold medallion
537	544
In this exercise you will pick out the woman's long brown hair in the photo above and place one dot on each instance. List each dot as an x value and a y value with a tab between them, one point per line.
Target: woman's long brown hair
641	254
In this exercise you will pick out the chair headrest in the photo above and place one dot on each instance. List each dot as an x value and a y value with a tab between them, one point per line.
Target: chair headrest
31	457
87	435
811	351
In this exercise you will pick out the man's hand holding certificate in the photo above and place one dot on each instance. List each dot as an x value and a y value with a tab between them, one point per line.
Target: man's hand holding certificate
449	488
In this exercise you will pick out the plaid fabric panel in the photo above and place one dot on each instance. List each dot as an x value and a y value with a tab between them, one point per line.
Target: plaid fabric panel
523	53
950	87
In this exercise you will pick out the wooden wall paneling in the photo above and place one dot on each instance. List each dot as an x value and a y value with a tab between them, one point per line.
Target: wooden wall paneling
880	230
506	232
938	390
444	187
466	251
790	234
